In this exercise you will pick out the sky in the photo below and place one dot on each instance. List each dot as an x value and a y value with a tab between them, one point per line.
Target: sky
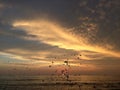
38	36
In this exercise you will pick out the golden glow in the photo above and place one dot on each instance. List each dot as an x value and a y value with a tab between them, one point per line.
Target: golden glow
56	35
13	56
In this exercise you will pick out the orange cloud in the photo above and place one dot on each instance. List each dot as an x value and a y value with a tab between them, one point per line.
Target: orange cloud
53	34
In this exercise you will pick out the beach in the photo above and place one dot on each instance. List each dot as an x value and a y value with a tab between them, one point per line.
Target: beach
83	82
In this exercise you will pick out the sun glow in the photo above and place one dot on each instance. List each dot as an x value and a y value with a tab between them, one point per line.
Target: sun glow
56	35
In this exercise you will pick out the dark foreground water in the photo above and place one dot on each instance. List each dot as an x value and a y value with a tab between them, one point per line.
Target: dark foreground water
59	83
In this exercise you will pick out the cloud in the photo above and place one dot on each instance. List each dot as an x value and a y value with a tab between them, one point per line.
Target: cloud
44	39
104	31
42	31
55	35
16	41
1	6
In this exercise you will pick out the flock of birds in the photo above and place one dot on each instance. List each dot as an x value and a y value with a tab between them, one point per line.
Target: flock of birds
65	71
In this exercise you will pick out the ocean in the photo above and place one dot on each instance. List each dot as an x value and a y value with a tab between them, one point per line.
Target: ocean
52	82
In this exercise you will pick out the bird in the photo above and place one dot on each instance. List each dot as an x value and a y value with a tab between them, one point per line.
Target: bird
50	66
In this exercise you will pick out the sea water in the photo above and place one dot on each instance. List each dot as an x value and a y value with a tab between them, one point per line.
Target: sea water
52	82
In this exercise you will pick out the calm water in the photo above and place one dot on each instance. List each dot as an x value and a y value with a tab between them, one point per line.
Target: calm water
82	82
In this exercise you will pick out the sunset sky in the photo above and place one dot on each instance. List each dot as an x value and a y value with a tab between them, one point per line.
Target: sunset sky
37	36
